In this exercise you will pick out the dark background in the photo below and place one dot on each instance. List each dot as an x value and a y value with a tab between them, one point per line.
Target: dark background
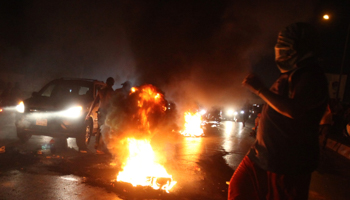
197	52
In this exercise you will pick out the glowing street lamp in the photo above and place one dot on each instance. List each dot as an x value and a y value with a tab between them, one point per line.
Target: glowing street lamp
326	17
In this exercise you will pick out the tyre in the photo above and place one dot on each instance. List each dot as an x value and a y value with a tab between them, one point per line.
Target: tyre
84	136
23	135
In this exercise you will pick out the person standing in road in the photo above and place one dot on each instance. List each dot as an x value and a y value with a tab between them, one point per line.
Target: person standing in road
104	97
286	150
123	92
245	109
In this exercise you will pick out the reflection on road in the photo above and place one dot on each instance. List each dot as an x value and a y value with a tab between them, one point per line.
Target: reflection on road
232	130
192	147
20	185
234	142
196	163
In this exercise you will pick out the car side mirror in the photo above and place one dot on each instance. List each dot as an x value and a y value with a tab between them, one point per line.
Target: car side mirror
35	94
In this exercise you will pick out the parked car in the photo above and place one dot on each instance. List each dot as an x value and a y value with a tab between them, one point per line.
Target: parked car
59	110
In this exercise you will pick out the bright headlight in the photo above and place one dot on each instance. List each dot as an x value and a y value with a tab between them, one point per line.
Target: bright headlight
230	112
242	111
73	112
20	107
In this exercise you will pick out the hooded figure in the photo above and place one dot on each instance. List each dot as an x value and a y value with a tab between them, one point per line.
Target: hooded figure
286	151
295	43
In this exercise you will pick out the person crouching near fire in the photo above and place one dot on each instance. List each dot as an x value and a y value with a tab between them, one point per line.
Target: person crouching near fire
286	151
103	97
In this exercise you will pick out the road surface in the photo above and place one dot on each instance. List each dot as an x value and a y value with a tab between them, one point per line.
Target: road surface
201	167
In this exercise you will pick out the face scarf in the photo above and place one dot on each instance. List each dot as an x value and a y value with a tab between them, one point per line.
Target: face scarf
294	44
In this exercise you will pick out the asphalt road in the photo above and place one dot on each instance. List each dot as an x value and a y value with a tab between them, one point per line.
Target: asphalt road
201	167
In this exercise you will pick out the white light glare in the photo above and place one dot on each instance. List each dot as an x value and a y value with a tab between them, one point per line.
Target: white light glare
235	113
20	107
202	112
73	112
230	112
242	111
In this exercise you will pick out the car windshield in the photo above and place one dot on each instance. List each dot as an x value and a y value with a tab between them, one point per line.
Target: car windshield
65	89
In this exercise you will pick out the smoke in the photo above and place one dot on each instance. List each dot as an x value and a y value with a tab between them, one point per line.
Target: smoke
197	53
140	115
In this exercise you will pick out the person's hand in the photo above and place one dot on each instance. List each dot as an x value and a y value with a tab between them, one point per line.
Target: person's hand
253	83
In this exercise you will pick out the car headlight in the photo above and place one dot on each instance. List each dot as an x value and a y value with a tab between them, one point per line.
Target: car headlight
20	107
242	111
73	112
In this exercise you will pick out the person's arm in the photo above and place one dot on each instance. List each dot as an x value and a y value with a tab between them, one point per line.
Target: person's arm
96	100
308	94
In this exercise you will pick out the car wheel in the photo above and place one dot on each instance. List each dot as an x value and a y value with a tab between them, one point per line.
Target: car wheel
84	136
23	135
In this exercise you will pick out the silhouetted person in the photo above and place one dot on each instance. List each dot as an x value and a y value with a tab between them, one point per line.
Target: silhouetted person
246	109
286	151
103	97
123	92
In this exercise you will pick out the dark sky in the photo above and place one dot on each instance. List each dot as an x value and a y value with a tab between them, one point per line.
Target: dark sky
195	51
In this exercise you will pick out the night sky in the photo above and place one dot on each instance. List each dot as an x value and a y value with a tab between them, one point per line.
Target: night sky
197	52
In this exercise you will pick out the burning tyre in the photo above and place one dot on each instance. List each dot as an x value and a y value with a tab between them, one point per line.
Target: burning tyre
132	124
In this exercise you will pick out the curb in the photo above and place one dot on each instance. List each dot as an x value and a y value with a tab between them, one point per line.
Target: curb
338	147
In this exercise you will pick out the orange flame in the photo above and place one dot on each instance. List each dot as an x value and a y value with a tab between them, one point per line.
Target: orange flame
193	125
142	167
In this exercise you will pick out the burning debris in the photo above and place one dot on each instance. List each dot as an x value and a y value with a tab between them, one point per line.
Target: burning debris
129	129
193	123
142	168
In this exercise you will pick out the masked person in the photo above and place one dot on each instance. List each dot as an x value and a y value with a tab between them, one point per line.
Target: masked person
104	97
286	150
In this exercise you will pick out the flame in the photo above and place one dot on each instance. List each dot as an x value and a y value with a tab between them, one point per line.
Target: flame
133	89
141	166
193	125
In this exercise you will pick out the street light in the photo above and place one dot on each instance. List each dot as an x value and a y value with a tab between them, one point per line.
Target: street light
327	17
